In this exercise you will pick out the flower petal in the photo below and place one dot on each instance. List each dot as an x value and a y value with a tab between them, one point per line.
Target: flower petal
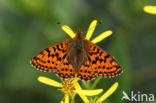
62	101
91	29
89	92
150	9
83	97
68	30
102	36
108	92
49	81
66	98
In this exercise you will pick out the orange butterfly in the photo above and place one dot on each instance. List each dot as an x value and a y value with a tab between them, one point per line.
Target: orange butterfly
77	56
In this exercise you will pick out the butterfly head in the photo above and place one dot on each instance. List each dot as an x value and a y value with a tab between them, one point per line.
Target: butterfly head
79	34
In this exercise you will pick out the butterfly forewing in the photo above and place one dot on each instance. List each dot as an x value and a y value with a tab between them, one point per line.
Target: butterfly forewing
102	63
53	59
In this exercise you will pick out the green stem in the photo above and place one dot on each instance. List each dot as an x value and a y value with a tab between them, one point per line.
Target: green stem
73	99
87	84
96	82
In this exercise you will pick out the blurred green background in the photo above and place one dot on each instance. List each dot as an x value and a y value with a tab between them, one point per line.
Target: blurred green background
28	26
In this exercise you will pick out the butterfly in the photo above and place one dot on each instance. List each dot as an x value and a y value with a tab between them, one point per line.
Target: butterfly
77	56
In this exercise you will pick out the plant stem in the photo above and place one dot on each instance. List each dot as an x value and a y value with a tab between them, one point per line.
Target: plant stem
96	82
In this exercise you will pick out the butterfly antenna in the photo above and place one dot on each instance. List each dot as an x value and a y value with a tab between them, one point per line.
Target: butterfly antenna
58	22
98	23
65	26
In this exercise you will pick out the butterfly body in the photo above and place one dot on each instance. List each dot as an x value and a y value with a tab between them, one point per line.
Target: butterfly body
77	56
77	53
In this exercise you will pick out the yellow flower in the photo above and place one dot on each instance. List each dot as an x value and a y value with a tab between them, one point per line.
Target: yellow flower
109	92
150	9
70	88
91	29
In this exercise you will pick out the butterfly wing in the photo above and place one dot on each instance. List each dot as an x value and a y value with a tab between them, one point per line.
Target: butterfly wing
66	70
86	72
53	59
99	63
103	64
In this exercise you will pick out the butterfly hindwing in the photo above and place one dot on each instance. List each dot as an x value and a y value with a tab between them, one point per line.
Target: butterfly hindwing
86	72
102	63
53	58
66	70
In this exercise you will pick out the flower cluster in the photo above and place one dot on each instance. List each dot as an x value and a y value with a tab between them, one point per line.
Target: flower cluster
71	88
